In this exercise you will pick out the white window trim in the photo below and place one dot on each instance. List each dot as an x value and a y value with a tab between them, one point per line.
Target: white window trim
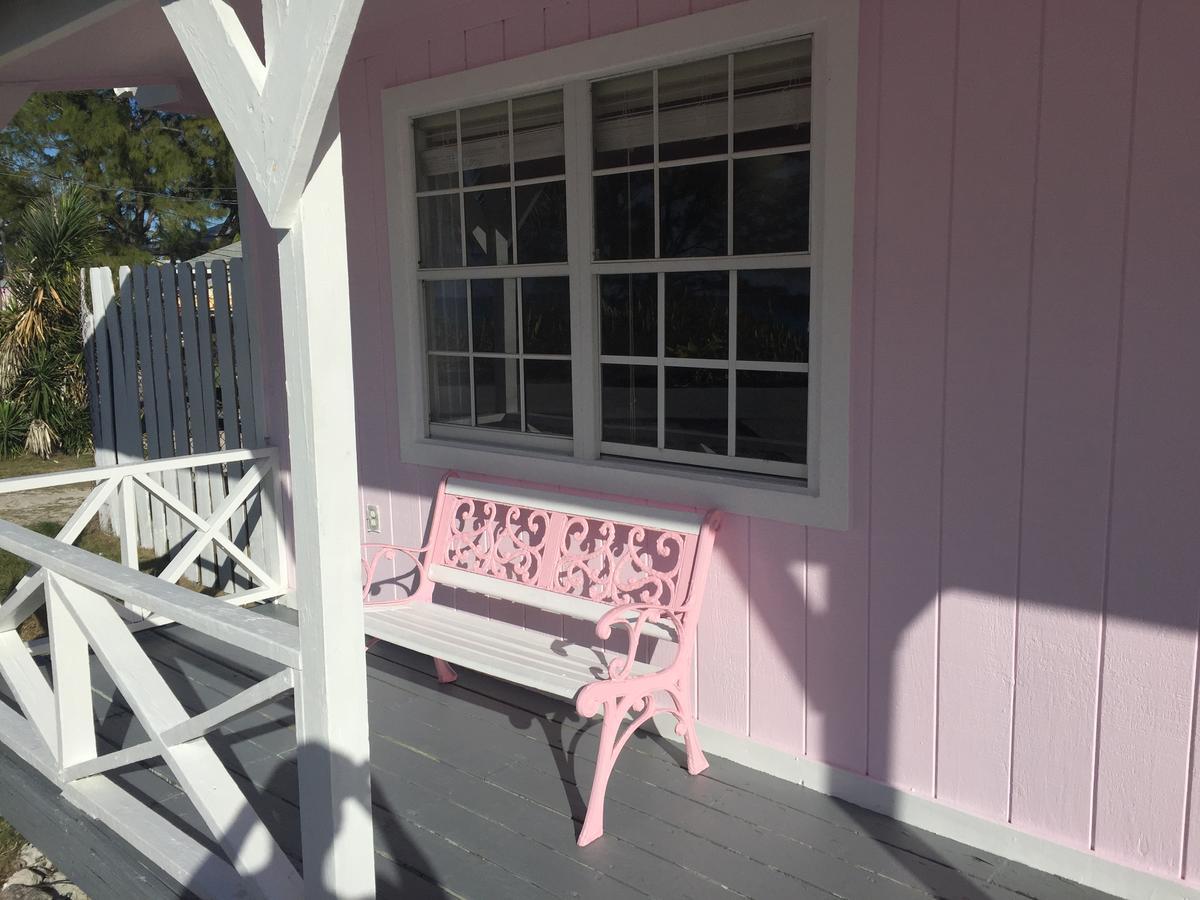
824	500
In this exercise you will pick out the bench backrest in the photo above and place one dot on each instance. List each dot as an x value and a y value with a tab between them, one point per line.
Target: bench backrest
567	553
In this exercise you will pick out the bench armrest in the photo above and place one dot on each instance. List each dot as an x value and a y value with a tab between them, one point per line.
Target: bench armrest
373	554
634	617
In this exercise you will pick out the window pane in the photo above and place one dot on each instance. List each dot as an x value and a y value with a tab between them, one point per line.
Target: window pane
693	109
489	227
441	231
629	404
629	315
697	315
542	223
437	151
772	310
497	393
450	390
548	396
692	210
625	215
772	96
697	409
494	315
770	205
546	315
485	144
772	415
538	135
623	121
446	315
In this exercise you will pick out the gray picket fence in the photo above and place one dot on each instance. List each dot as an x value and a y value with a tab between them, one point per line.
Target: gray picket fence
171	372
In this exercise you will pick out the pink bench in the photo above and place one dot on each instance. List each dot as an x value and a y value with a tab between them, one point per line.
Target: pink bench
641	569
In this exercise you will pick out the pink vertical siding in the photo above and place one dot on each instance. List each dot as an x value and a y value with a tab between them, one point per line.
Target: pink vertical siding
1010	624
1153	583
915	155
1083	161
990	246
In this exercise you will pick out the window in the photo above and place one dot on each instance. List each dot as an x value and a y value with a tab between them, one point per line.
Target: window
635	277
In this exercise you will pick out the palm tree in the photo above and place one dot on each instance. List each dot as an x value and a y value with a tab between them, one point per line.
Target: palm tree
42	380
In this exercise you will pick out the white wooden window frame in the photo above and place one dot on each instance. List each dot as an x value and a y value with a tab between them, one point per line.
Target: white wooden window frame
822	499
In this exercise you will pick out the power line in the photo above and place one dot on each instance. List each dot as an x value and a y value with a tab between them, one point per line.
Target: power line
29	176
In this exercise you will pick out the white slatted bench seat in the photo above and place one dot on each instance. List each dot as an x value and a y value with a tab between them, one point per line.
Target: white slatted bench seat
637	572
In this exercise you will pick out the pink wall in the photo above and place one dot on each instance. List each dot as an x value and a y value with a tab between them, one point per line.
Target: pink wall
1011	624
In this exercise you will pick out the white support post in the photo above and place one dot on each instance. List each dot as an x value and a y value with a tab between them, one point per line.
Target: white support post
335	786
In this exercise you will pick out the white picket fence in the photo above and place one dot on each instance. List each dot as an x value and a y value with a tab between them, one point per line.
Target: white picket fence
171	372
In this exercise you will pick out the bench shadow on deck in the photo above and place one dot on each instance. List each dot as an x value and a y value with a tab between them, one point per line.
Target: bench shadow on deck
477	794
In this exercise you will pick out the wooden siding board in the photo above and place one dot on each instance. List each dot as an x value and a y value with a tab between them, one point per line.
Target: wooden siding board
566	23
525	33
836	659
722	675
612	16
447	52
777	607
485	44
990	240
1145	733
650	11
918	67
1079	220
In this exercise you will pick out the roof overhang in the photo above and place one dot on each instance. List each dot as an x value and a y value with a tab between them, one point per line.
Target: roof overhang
27	26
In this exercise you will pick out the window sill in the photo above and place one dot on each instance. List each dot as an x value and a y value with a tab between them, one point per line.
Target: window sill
748	495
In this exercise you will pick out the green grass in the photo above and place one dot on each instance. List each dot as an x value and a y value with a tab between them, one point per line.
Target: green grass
10	846
16	466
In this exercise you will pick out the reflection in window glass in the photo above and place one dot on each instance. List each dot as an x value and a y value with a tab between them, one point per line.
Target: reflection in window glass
449	390
692	210
494	315
697	315
485	144
546	315
770	204
623	121
772	315
772	96
629	404
697	410
440	231
548	396
542	223
772	416
693	104
436	145
497	393
446	315
625	215
629	315
538	136
489	227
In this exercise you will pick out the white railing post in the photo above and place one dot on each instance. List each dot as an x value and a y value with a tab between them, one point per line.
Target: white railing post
71	664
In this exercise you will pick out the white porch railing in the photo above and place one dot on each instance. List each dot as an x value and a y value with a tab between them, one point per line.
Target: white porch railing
93	604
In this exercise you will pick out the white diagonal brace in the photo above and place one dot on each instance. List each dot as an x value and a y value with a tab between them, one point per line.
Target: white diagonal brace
71	663
196	727
273	113
237	496
25	597
196	521
29	687
222	805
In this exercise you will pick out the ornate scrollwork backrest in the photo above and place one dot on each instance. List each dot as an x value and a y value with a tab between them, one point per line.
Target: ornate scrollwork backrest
504	541
596	559
619	563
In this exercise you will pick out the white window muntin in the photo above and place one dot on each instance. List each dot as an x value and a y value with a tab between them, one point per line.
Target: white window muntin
824	500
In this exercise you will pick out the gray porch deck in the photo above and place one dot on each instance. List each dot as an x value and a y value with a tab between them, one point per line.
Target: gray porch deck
476	796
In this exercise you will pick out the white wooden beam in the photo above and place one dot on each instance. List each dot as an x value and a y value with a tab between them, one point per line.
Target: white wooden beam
331	704
272	112
27	26
12	98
